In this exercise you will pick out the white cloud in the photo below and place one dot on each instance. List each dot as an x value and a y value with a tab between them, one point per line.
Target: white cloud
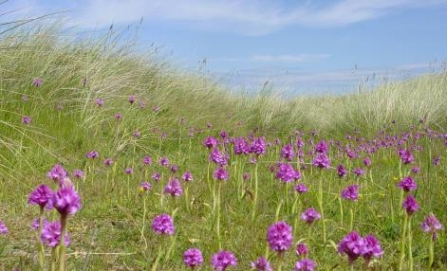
296	82
289	58
249	17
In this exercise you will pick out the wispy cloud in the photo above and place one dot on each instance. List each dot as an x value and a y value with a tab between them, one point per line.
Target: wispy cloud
296	82
250	17
289	58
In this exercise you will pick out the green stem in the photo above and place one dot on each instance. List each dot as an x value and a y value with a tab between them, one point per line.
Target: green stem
431	254
280	260
255	198
187	198
340	202
219	237
40	248
62	243
402	242
160	251
54	258
410	237
351	219
128	186
171	247
144	222
320	204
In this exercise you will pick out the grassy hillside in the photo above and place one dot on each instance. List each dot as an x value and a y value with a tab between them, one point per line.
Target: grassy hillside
62	98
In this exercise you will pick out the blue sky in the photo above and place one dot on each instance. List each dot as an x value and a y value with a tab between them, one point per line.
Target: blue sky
309	46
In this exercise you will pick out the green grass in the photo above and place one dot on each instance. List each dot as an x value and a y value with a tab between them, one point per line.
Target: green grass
106	233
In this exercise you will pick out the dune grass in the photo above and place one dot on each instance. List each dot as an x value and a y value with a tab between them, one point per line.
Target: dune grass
84	104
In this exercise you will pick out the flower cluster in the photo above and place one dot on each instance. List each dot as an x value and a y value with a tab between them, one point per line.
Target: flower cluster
222	260
354	246
163	224
192	258
279	236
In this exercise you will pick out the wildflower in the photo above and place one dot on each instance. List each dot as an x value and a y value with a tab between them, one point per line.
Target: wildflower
407	184
436	160
220	174
174	188
301	188
322	161
358	172
3	228
108	162
210	142
222	260
36	223
286	173
163	224
353	245
279	236
431	225
261	264
305	265
410	205
155	108
174	168
219	158
351	193
321	147
351	154
26	120
51	234
310	215
415	169
258	146
287	152
57	173
142	104
99	102
131	99
136	134
128	171
147	160
341	171
187	176
78	174
156	176
192	257
40	196
145	186
241	146
367	161
66	201
301	249
373	248
37	82
164	162
224	136
406	157
92	155
245	176
118	116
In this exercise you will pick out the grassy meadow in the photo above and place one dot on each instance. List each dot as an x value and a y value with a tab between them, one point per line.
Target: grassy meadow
62	99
